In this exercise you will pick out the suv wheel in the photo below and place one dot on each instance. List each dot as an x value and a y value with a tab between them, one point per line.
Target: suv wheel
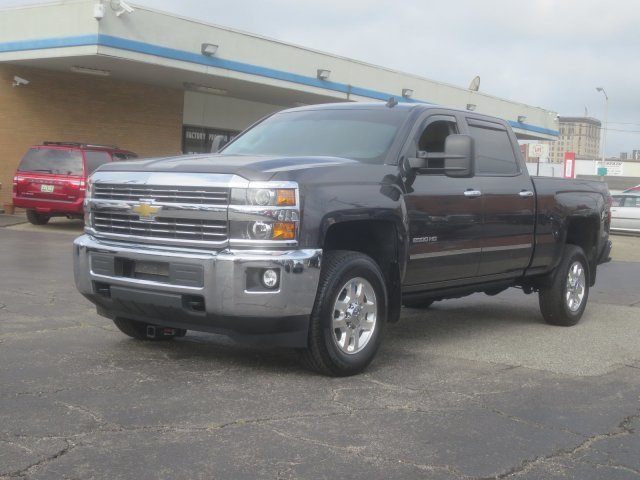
37	218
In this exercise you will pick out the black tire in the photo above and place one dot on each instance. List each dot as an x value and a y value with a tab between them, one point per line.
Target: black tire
140	330
338	325
37	218
422	304
563	301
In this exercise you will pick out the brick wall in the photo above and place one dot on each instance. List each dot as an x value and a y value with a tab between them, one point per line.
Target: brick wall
61	106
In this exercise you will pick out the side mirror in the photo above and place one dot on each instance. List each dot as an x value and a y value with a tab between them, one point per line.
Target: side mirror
458	156
455	161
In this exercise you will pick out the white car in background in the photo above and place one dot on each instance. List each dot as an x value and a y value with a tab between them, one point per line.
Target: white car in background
625	212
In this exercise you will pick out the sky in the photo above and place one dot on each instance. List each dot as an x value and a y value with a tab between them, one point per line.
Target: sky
545	53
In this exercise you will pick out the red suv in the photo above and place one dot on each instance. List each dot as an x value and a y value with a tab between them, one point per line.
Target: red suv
51	179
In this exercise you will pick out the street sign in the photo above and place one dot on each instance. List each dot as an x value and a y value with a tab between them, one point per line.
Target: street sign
602	171
614	168
538	150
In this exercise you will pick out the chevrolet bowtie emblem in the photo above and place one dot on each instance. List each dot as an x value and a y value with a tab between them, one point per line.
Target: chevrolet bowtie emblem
146	211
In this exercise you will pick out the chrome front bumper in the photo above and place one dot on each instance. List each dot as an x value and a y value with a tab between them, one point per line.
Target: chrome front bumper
207	291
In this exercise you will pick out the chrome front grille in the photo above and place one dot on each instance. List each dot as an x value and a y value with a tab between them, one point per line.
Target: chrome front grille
162	194
161	208
195	230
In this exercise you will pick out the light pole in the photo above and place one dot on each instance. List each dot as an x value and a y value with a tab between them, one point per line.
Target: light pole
604	131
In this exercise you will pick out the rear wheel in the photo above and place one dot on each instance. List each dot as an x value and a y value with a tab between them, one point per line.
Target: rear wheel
147	331
563	301
349	315
37	218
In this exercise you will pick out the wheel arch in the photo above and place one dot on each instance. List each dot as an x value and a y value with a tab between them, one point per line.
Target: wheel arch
583	232
379	239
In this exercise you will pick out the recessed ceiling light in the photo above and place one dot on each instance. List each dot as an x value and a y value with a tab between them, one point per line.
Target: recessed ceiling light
90	71
204	88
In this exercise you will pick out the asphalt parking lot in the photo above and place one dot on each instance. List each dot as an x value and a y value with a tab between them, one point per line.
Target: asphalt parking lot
475	388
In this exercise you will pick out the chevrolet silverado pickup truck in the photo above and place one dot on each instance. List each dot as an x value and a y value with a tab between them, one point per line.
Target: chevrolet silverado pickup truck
317	224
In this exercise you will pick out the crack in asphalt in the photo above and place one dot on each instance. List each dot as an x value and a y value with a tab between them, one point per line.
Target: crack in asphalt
539	426
623	429
359	452
34	466
104	426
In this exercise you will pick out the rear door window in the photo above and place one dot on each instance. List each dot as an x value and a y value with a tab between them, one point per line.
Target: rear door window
53	161
494	150
94	159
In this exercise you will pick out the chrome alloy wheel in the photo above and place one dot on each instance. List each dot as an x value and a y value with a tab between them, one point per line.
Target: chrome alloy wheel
575	291
354	316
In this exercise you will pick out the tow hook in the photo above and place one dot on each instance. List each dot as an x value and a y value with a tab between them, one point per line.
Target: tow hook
154	331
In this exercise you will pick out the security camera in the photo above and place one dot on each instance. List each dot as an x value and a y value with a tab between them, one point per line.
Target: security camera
120	7
17	81
98	11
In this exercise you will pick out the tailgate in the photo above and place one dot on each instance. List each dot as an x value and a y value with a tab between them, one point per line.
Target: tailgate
48	187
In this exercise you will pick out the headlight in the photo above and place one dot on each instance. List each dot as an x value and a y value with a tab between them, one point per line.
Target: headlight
272	225
263	213
264	197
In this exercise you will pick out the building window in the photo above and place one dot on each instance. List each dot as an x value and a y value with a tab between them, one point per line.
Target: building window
205	140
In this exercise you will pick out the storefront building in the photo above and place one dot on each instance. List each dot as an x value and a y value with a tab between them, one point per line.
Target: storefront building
157	84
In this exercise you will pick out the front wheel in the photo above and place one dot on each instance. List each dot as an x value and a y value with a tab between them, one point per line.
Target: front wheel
349	315
563	301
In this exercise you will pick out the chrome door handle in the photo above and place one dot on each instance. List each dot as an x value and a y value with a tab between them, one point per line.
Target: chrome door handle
472	193
526	193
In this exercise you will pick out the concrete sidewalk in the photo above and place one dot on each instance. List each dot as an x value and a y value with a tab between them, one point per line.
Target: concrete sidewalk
8	220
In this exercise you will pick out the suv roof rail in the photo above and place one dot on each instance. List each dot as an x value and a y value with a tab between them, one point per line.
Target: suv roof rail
81	145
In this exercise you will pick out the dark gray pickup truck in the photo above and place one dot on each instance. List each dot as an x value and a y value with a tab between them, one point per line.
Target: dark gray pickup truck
313	227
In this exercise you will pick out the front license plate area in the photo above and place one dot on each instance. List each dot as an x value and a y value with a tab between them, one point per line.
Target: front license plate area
156	271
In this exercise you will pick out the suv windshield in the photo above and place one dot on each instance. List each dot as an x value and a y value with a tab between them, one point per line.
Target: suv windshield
360	134
51	160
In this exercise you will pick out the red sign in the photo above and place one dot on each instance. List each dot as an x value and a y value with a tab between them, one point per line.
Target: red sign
569	164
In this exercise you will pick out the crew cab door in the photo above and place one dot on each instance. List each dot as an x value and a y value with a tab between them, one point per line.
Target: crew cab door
508	200
445	214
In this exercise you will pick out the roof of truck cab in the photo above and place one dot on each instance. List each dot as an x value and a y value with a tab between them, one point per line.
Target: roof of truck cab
407	106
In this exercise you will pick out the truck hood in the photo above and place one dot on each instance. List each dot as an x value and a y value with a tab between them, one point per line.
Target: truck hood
252	168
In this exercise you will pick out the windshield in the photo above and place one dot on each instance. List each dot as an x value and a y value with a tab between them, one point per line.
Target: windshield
51	160
360	134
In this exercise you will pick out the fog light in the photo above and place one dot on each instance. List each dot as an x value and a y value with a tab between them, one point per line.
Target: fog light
270	278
